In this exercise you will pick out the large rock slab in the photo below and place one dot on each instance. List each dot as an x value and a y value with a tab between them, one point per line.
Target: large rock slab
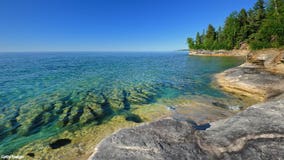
258	131
252	81
255	133
163	139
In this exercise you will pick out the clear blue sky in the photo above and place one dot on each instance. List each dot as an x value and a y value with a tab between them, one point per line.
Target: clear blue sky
108	25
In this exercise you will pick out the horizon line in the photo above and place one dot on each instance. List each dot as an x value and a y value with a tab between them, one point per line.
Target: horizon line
90	51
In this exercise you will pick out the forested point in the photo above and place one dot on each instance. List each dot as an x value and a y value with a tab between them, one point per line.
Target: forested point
260	27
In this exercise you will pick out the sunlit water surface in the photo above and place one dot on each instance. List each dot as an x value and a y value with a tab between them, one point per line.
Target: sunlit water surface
43	94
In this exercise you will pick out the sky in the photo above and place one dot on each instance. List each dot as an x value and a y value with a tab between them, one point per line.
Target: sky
108	25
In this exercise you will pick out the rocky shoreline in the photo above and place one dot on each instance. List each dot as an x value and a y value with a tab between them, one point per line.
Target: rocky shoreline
252	81
255	133
201	52
261	77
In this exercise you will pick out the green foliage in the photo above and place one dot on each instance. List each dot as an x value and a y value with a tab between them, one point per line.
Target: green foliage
198	41
231	28
210	37
242	34
190	43
271	32
262	26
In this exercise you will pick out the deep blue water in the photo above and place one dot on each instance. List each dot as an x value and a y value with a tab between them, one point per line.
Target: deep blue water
57	91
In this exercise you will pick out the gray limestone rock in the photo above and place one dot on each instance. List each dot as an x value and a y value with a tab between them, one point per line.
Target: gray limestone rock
255	133
163	139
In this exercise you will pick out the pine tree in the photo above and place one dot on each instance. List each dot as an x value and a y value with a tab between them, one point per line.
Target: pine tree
243	32
190	43
221	39
219	34
210	37
230	30
256	17
261	26
198	41
271	32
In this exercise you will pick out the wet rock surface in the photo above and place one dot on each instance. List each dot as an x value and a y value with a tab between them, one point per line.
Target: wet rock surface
255	133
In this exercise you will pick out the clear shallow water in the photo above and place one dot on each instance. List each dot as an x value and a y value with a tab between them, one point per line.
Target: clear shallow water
43	94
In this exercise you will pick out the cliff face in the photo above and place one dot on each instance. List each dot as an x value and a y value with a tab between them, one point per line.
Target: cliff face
256	133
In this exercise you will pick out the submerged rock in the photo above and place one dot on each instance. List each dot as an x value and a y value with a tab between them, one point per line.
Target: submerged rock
31	155
134	118
171	108
219	104
255	133
59	143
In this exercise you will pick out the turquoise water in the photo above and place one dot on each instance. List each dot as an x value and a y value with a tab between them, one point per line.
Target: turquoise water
43	94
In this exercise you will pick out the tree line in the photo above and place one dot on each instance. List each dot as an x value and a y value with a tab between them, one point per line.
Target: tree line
262	26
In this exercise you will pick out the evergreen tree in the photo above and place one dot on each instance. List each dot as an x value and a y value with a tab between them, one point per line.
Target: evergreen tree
221	43
202	38
198	41
219	35
210	37
243	32
261	27
190	43
256	17
271	32
230	30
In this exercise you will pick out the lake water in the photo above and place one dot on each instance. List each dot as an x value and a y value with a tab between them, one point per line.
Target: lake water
43	94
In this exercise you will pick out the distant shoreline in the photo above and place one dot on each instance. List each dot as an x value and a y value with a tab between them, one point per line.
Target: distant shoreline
217	53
